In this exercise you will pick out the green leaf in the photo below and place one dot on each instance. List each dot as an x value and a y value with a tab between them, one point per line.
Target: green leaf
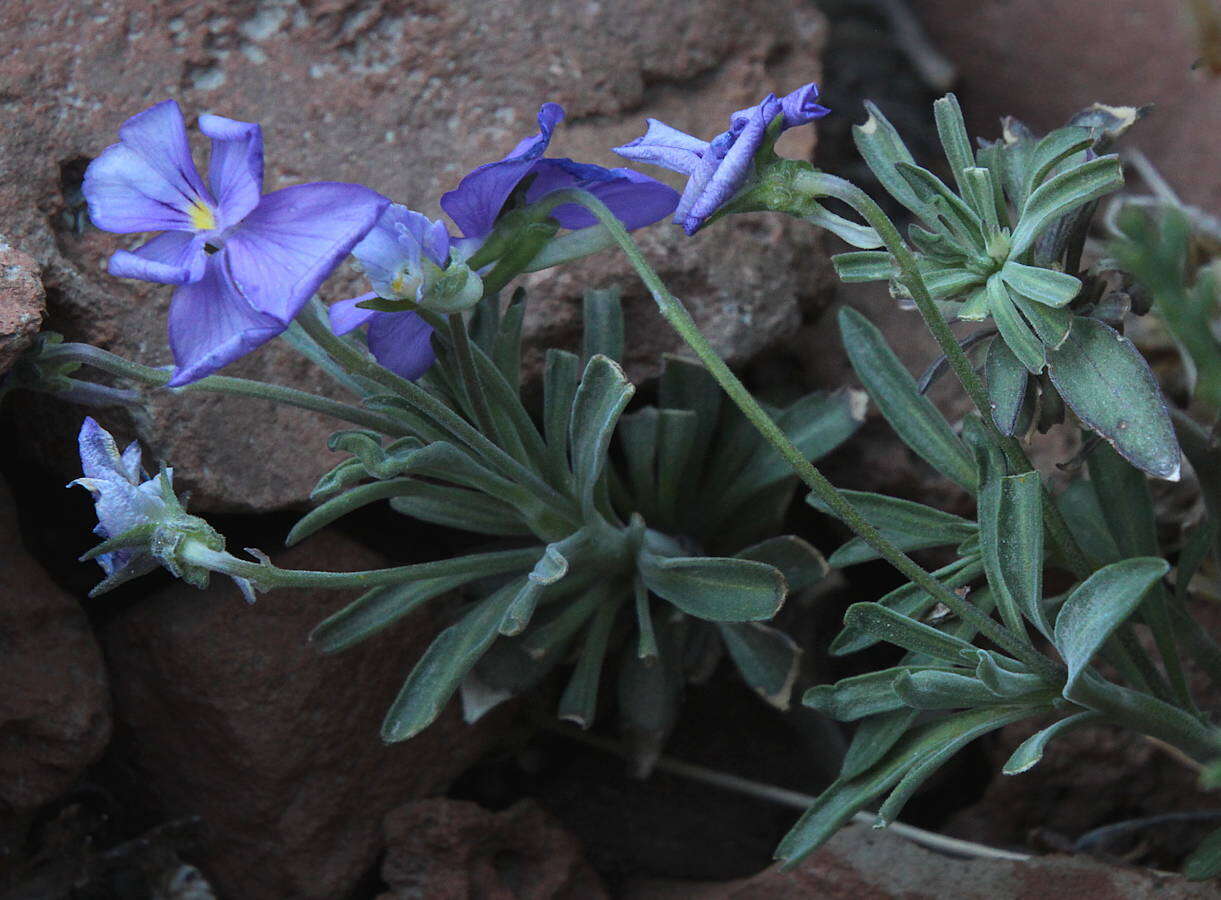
873	738
1204	861
881	147
717	589
1006	677
960	731
944	283
911	524
340	506
650	689
559	389
910	600
545	640
850	699
1062	194
816	424
1109	386
898	629
638	437
980	190
954	138
687	385
1053	149
909	412
1014	329
1098	606
506	345
1046	286
378	609
932	190
602	314
1011	538
551	567
579	704
801	565
865	265
1078	503
919	752
1030	751
939	689
444	664
1006	381
458	508
601	397
676	456
767	659
1050	325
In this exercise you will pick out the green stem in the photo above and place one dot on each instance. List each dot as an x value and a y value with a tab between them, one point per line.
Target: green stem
678	317
108	362
265	576
820	184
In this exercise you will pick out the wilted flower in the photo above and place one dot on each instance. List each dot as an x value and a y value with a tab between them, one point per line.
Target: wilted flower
245	262
719	168
139	517
403	256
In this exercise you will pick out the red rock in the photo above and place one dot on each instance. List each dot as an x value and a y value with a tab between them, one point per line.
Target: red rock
405	97
1043	63
22	303
860	863
225	711
54	700
446	849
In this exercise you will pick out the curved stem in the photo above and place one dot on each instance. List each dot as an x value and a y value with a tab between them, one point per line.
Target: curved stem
105	361
820	184
265	576
678	317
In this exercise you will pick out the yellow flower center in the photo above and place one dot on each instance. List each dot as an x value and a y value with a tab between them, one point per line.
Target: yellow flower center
202	217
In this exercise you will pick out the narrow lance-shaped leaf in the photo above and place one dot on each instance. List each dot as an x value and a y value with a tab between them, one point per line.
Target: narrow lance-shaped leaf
881	147
954	138
864	265
579	704
715	588
1047	286
603	325
1011	536
910	413
858	697
1006	382
1030	751
1097	607
1014	329
801	565
919	751
898	629
601	397
444	664
378	609
559	389
1062	194
1109	386
767	659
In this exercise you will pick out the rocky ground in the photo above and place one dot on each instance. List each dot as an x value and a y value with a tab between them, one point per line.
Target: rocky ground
161	739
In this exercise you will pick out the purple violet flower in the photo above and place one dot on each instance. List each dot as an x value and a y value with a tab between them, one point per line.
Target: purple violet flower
403	256
719	168
406	252
635	199
244	262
